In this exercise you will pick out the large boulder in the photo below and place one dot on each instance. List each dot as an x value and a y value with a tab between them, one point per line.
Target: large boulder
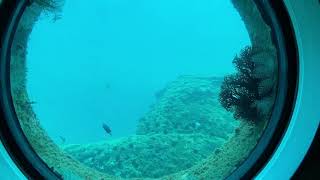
189	105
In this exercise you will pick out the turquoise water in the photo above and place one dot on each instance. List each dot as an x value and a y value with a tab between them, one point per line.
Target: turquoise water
104	61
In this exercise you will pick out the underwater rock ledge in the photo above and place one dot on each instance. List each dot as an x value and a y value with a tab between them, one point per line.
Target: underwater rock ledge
189	104
146	156
182	128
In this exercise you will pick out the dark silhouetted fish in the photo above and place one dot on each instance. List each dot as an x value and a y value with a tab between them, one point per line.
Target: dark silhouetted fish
106	128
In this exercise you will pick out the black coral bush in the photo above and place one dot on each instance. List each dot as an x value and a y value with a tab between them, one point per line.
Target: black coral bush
240	91
50	5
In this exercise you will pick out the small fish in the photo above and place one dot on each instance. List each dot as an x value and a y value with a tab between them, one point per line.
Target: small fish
106	128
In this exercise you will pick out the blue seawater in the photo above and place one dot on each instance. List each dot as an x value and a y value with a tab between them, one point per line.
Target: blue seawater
104	61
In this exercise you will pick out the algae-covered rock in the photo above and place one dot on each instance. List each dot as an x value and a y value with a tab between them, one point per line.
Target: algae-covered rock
148	156
184	127
189	105
226	158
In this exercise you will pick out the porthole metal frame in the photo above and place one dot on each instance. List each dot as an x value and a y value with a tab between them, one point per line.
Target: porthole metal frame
305	120
11	133
31	161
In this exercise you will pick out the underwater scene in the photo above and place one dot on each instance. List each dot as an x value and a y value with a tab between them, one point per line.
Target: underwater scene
143	89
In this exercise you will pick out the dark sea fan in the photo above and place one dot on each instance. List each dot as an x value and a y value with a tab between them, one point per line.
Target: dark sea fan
239	91
50	5
51	8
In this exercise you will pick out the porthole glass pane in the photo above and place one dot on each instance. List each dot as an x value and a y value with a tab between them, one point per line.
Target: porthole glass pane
143	89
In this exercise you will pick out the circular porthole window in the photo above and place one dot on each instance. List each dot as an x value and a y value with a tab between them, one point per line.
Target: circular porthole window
144	89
